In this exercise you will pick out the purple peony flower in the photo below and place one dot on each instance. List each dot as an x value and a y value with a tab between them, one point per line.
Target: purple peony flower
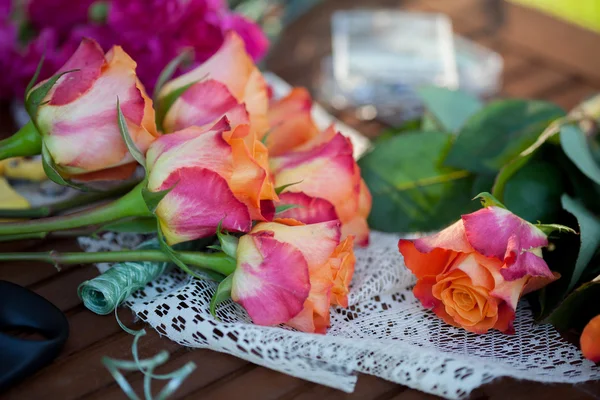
59	15
256	41
152	32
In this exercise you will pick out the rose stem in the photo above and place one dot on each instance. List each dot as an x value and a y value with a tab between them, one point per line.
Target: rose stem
218	262
26	142
130	205
65	205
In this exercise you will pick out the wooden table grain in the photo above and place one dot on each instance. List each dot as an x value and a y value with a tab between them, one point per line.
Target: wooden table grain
544	58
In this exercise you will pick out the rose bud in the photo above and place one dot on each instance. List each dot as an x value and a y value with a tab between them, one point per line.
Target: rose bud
473	273
217	175
324	169
78	117
227	84
590	340
292	273
291	122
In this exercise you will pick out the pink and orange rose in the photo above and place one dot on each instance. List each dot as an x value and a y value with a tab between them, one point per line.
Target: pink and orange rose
228	84
473	273
291	122
291	273
218	174
327	184
78	117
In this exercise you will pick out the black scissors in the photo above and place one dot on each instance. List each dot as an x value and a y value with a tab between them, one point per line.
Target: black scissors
22	309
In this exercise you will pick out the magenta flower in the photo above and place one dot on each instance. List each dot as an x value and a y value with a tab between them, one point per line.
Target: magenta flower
153	32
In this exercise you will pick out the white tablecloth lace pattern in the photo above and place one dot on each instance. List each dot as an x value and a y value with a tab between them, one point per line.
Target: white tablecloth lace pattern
385	332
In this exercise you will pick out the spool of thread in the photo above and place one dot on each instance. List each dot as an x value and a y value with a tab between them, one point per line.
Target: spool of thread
103	294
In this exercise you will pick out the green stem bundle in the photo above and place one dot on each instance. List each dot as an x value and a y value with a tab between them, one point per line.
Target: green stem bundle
65	205
130	205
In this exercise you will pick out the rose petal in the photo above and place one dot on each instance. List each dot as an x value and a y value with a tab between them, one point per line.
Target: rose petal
423	264
316	241
310	210
452	238
270	294
88	59
328	172
187	213
342	264
490	229
203	103
291	122
527	264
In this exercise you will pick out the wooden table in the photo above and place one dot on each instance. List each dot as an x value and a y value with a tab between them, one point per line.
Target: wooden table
544	58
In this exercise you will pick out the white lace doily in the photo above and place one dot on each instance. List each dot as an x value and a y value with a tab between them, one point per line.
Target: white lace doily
385	332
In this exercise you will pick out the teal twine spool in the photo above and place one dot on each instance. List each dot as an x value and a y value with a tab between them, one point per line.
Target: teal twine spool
103	294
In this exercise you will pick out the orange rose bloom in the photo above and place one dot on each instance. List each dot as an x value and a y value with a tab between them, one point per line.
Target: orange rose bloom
473	273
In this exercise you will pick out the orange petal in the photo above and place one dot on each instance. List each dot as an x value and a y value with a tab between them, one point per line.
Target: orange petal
423	264
590	340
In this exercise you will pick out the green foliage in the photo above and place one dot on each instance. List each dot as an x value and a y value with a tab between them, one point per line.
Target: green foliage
222	293
487	200
185	57
589	231
34	98
449	108
53	173
411	190
164	104
152	199
499	133
281	189
124	130
577	148
578	308
534	191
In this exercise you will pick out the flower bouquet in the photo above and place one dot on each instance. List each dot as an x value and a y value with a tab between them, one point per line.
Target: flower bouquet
258	224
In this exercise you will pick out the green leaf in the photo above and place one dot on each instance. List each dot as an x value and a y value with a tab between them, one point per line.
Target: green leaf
185	57
228	243
534	191
408	126
35	76
52	172
451	108
487	200
223	293
589	231
164	104
281	188
141	225
575	145
153	198
578	308
37	96
429	123
550	228
411	190
506	173
499	132
135	152
285	207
